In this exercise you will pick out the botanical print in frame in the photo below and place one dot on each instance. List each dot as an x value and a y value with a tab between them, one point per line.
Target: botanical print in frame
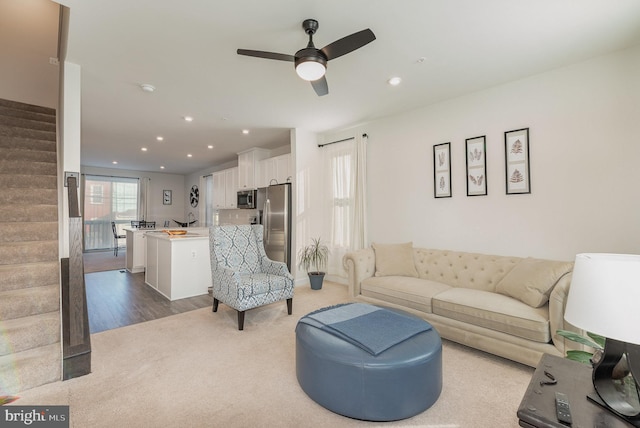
516	157
442	170
476	166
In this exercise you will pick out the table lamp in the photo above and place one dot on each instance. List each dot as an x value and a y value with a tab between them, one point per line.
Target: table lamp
604	298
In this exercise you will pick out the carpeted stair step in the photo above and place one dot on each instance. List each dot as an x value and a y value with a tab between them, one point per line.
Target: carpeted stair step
21	181
28	231
29	275
20	334
28	252
27	369
29	196
29	301
36	134
20	154
27	123
27	167
26	114
27	107
32	213
10	142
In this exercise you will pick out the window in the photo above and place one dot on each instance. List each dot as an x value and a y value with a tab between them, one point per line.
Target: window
96	194
339	165
108	199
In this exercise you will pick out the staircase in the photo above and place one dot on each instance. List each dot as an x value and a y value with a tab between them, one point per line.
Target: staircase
30	346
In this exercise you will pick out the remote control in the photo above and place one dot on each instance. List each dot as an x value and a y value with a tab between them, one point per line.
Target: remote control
563	411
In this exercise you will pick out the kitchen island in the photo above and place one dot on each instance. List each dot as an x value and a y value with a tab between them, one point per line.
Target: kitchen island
137	245
178	266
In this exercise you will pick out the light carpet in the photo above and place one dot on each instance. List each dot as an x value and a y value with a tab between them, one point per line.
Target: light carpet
197	370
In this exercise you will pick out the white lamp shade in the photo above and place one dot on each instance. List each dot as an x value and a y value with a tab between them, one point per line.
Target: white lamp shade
604	297
310	70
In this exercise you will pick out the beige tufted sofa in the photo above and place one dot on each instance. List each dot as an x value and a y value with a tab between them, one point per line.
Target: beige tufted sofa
507	306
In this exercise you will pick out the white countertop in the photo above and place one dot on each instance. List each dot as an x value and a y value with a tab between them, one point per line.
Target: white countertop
159	234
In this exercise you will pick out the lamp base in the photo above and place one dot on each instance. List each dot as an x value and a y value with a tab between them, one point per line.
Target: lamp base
608	396
593	397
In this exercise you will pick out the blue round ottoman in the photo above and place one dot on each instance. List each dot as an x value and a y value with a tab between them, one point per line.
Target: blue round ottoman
397	383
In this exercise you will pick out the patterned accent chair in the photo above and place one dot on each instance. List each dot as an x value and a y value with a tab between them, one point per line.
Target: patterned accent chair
243	277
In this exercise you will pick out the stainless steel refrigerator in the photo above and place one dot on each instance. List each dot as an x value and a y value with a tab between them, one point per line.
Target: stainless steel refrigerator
274	204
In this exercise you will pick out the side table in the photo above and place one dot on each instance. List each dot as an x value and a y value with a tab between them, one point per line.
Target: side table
538	406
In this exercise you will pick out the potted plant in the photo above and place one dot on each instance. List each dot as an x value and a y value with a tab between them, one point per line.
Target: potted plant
313	258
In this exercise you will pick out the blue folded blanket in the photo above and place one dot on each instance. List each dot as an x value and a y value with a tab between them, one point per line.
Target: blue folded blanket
369	327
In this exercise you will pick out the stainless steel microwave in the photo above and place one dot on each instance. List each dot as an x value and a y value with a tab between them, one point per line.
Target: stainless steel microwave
246	199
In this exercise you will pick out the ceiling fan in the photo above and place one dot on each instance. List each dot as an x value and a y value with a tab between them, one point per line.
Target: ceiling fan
311	62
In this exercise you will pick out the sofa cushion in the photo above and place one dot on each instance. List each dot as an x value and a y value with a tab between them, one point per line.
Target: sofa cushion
460	269
395	259
413	293
532	280
494	311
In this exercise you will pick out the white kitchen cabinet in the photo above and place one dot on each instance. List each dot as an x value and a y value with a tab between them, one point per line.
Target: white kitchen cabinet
179	266
231	187
248	173
219	190
283	168
136	250
275	170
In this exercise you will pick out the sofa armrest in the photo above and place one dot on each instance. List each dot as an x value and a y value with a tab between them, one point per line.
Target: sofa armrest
360	265
557	305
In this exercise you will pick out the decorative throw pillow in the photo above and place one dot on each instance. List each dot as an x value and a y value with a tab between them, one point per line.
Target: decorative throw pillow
395	259
531	280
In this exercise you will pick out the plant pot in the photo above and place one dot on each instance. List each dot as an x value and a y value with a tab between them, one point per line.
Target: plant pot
316	280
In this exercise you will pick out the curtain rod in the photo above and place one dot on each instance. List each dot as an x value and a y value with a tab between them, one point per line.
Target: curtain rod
340	141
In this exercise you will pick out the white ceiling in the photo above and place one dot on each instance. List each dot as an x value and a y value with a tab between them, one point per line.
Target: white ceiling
187	50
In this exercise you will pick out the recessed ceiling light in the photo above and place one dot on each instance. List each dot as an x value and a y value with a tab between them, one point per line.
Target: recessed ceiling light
189	155
147	87
209	146
394	81
245	131
188	118
115	162
161	166
160	138
144	149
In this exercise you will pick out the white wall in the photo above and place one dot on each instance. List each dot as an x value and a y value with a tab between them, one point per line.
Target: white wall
584	151
307	195
156	211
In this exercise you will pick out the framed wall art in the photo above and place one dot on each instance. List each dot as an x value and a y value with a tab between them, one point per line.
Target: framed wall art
442	170
516	158
167	197
476	166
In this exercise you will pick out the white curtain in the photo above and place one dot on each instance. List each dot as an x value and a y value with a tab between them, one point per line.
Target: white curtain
359	238
143	199
345	168
206	198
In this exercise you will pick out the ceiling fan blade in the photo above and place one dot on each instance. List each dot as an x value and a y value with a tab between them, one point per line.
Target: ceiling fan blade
320	86
267	55
348	44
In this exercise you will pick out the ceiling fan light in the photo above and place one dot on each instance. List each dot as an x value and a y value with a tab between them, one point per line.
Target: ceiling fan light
310	70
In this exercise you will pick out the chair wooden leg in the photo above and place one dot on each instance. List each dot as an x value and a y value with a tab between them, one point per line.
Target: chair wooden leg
240	320
289	305
215	305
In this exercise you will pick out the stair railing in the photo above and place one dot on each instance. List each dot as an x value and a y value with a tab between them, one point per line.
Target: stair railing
76	338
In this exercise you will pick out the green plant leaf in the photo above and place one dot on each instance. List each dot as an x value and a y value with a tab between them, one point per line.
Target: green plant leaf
598	339
579	339
6	399
580	356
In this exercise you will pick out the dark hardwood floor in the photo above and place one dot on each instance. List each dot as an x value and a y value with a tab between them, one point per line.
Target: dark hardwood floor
117	298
